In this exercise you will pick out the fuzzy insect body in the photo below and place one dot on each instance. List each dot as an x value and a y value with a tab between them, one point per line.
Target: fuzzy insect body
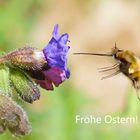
126	62
130	66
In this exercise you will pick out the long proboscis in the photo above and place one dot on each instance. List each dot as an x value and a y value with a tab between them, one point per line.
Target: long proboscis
99	54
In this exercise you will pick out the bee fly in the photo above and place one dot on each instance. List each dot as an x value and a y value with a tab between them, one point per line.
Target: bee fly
126	62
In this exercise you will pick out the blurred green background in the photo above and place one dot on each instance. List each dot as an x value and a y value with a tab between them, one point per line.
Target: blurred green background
93	25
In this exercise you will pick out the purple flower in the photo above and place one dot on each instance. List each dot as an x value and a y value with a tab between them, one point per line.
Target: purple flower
55	53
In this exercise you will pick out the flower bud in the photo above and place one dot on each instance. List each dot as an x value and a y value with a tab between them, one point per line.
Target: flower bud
13	117
24	85
25	58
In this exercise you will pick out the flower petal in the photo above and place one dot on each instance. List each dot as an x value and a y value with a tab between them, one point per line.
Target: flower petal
56	32
46	84
56	51
64	39
52	76
55	75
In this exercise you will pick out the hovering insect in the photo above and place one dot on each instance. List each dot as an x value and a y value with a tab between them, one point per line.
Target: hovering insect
126	62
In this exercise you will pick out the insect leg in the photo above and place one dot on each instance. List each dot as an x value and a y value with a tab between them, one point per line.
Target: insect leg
116	66
111	75
137	87
110	66
109	69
